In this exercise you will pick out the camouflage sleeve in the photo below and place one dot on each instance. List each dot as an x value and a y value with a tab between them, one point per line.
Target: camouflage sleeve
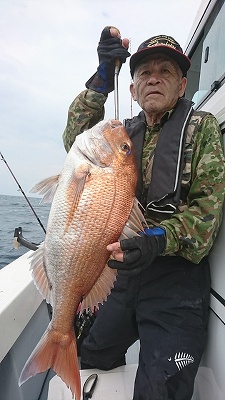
85	111
191	233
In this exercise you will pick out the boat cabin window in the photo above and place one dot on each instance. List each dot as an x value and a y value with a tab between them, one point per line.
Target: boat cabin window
207	72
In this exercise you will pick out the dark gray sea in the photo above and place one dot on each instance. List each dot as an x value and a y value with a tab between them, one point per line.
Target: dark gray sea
15	212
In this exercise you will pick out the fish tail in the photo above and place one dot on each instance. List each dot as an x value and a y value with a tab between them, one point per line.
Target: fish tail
59	352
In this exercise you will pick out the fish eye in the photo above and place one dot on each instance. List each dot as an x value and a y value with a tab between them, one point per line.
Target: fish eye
125	147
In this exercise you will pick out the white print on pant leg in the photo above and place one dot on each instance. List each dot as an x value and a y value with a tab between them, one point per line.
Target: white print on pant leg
182	360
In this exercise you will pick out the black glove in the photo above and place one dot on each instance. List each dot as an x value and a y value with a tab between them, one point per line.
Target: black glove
109	50
139	253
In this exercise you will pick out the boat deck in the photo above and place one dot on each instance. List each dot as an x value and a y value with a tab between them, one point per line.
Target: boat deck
116	384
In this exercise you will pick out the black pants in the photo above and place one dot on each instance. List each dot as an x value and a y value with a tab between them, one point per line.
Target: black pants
166	307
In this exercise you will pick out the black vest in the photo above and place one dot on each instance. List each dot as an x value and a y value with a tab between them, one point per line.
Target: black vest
163	193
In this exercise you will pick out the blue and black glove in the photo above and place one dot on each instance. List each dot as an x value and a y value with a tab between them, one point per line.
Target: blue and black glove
109	50
140	252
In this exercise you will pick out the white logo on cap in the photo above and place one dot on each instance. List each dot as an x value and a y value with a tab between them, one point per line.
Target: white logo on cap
162	41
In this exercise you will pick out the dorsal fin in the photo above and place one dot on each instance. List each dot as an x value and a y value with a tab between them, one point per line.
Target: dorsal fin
135	223
100	290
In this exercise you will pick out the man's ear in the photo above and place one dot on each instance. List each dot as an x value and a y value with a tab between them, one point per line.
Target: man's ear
183	85
132	90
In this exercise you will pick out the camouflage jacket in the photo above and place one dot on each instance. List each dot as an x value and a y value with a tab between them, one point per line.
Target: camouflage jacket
192	229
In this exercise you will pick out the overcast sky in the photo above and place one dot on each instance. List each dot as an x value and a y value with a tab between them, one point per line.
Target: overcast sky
48	52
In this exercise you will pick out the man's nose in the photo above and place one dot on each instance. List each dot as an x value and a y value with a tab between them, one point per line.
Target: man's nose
153	79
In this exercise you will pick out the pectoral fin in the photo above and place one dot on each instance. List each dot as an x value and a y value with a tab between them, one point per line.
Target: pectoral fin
76	186
75	190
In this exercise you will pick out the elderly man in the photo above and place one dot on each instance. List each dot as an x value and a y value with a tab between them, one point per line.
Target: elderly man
162	292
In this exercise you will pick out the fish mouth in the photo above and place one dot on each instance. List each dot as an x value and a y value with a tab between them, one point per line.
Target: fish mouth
92	144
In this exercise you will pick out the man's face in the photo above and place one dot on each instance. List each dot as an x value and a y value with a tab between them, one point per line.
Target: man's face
158	84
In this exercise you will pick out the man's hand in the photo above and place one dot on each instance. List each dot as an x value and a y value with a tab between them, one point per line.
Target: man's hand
134	255
110	49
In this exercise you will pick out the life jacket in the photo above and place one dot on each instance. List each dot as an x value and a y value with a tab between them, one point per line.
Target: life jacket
171	167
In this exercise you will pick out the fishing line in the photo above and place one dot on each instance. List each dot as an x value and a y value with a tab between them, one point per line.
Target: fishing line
21	190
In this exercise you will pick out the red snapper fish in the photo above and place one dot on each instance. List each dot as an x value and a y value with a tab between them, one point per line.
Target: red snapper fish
93	205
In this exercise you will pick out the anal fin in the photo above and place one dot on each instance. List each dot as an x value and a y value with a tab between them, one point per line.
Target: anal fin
39	274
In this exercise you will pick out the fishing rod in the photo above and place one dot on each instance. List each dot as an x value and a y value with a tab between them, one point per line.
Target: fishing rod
21	190
116	91
116	87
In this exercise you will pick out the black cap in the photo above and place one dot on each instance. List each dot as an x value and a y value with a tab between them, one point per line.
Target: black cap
160	44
